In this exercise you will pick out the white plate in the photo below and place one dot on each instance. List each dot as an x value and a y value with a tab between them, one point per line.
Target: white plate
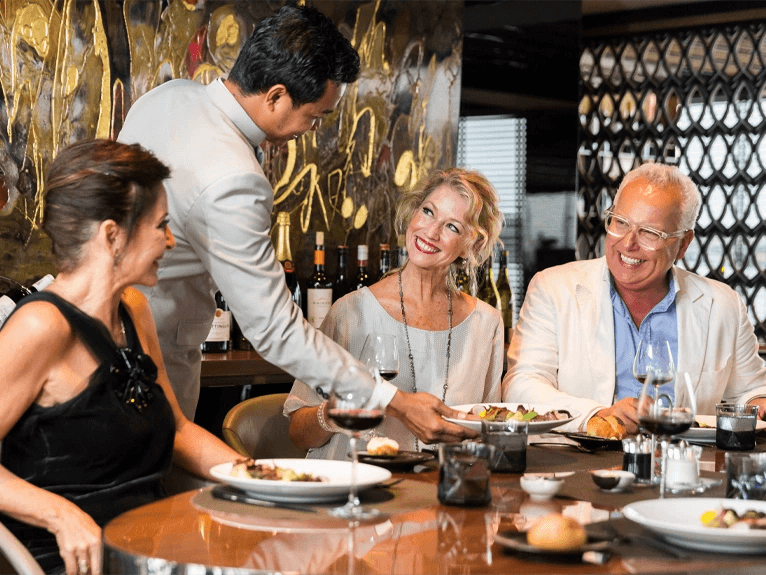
678	521
708	433
337	476
534	426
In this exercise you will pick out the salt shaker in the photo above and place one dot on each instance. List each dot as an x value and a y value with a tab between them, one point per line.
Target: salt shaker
682	468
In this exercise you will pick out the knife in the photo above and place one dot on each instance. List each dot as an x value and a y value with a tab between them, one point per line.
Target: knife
230	493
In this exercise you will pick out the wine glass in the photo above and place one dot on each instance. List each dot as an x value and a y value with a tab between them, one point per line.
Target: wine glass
354	408
381	351
660	414
653	356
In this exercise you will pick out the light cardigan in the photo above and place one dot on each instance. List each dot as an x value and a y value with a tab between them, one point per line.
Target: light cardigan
562	350
475	369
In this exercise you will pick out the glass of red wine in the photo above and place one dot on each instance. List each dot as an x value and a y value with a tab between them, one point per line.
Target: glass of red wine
660	414
380	351
654	355
355	409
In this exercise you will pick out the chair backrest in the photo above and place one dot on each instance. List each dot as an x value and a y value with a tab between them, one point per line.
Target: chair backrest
19	558
256	428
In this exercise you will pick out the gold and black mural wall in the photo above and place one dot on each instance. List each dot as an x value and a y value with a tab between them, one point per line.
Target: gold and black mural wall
70	69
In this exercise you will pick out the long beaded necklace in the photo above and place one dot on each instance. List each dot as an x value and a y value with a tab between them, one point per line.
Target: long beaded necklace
409	347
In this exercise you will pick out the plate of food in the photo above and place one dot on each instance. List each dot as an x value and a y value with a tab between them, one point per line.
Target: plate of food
298	480
385	452
540	417
553	536
703	429
701	522
601	433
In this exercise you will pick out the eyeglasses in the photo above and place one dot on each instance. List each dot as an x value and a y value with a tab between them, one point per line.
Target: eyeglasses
647	237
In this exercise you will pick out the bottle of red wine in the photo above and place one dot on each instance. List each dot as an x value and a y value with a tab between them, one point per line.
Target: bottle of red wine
385	261
318	287
15	295
219	338
342	284
285	257
401	252
362	274
238	339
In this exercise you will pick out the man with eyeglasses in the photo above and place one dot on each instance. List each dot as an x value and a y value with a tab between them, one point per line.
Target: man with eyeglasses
574	344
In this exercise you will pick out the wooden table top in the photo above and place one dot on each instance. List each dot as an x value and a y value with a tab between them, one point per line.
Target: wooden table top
417	536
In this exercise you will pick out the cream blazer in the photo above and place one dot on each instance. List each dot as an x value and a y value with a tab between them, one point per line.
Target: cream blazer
562	351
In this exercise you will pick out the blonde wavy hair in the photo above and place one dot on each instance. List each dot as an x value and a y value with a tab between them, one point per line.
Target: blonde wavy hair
484	218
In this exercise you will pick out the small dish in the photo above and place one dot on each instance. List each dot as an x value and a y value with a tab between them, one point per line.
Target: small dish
591	441
517	541
402	461
612	479
541	488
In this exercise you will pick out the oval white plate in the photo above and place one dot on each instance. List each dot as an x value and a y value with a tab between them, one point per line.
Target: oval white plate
708	433
534	426
678	521
337	475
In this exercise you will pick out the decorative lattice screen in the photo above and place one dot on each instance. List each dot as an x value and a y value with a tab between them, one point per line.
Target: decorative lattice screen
695	99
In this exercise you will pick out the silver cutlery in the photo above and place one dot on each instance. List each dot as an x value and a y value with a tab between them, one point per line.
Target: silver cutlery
229	493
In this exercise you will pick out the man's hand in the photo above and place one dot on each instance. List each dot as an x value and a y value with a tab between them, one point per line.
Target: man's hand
422	414
625	409
761	403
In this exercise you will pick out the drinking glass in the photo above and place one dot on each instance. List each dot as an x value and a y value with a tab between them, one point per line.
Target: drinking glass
355	409
660	415
653	356
381	351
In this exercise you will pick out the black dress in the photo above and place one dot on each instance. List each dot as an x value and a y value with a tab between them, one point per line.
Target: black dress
100	450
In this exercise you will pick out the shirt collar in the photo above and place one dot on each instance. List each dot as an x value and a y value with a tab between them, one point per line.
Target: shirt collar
228	104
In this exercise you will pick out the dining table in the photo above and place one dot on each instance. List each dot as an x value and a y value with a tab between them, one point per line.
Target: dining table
194	532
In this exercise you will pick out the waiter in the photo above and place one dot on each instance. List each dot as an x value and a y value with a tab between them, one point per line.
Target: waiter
290	73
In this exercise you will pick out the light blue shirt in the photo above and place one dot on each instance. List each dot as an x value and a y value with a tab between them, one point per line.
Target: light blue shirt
661	322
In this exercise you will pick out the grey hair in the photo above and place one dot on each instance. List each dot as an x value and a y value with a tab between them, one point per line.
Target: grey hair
665	176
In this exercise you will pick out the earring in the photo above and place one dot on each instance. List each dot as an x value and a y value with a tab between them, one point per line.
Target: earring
116	261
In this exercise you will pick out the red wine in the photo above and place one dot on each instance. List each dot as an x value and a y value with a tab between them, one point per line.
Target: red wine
388	375
656	380
665	425
356	419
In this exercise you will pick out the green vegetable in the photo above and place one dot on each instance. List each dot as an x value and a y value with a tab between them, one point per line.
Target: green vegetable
529	415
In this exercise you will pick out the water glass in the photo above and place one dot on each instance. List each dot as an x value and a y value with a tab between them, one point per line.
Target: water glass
509	438
746	476
735	426
464	473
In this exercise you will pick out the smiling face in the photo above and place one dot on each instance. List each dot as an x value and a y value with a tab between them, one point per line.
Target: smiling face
438	231
285	122
151	238
633	267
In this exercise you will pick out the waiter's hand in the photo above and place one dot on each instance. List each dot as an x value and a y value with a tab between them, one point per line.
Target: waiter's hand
626	410
422	414
761	403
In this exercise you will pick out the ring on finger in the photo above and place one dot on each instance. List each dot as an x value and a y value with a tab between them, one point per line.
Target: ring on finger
83	567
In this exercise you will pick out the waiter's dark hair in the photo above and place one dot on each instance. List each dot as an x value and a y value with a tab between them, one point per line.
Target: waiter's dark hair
93	181
300	48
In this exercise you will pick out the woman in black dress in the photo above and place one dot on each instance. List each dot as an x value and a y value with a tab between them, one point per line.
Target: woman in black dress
89	423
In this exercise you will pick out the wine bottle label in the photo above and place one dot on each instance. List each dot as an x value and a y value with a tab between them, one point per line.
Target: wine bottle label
221	328
7	305
319	303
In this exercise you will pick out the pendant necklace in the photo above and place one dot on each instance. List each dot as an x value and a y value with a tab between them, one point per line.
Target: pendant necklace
409	347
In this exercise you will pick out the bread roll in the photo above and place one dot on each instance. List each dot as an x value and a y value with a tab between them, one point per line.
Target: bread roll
609	427
557	533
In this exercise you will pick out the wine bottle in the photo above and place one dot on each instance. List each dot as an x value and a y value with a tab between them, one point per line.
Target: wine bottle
401	252
362	274
218	340
318	286
285	257
238	339
342	283
487	291
505	295
15	295
385	260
